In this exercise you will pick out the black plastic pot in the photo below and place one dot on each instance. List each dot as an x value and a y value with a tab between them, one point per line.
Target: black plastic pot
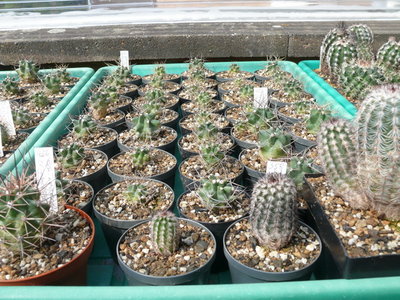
176	80
87	207
125	108
30	129
110	148
242	144
186	130
288	120
115	124
198	276
172	124
261	78
301	144
186	112
188	182
167	177
276	104
114	228
241	273
349	267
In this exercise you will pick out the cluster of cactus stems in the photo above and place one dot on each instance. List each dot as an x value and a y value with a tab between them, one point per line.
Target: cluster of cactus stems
151	108
136	193
303	107
362	160
23	218
165	233
118	77
157	82
273	211
246	92
40	99
206	132
99	104
211	154
293	89
160	71
52	84
298	167
203	99
234	68
145	126
216	193
316	118
388	55
140	157
27	71
156	95
258	119
63	75
83	127
22	117
274	143
71	156
11	87
196	64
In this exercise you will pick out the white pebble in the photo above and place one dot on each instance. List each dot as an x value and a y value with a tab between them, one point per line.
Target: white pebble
392	245
304	260
182	269
187	257
310	247
145	250
260	252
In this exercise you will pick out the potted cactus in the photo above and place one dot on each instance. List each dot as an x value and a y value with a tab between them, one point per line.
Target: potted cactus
10	90
30	237
191	93
232	73
279	247
157	82
25	121
360	160
203	103
160	72
190	122
195	65
182	252
166	100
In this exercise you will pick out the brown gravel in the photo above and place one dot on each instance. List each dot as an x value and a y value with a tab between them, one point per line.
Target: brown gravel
168	86
190	94
190	142
192	207
208	83
194	168
227	75
160	162
166	76
171	100
162	137
303	249
208	73
122	101
236	115
31	107
99	137
193	107
36	118
94	161
196	247
245	135
66	238
15	141
164	115
251	158
299	129
78	193
112	203
234	98
111	117
362	232
189	122
289	111
236	86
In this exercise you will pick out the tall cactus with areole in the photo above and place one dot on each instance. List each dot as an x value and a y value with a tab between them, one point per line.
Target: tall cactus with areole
273	210
335	34
340	53
165	233
362	160
363	37
388	55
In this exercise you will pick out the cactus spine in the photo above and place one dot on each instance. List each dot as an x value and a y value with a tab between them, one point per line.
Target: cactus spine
136	193
145	125
274	143
27	71
363	38
140	157
71	156
216	193
340	52
273	210
332	36
388	55
83	127
10	87
164	233
40	99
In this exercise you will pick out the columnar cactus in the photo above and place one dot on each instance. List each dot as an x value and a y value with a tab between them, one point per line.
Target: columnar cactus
274	143
388	55
216	193
22	216
52	84
140	156
203	99
83	127
159	71
27	71
145	125
40	99
136	193
10	87
273	211
363	38
164	233
337	33
356	79
340	52
71	156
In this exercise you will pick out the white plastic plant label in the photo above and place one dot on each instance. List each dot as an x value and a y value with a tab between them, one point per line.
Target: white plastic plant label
46	176
260	97
124	58
1	146
276	167
6	117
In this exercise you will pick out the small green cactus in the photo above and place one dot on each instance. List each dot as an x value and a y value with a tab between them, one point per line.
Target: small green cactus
136	193
303	107
145	125
11	87
40	99
259	119
246	92
196	64
298	167
211	154
151	108
388	55
293	89
5	136
83	127
99	104
160	71
340	53
23	218
216	193
157	82
337	33
234	68
164	233
316	118
274	143
71	156
28	71
140	157
273	211
63	74
203	99
52	84
206	132
157	95
22	117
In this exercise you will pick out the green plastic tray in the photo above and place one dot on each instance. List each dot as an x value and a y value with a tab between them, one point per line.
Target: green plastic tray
309	66
106	281
84	74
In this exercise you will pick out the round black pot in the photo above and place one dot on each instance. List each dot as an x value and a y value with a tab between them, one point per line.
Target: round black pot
172	124
167	177
287	119
301	144
114	228
125	108
242	144
244	274
198	276
115	124
87	207
186	130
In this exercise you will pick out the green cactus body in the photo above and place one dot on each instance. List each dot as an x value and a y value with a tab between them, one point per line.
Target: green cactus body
52	84
203	99
340	52
40	99
332	36
145	125
156	95
196	64
71	156
22	117
99	104
216	193
211	154
293	89
363	38
338	154
5	136
27	71
356	79
378	145
316	118
140	157
22	216
152	108
260	118
10	87
63	74
246	92
84	127
157	82
206	132
299	167
388	55
273	211
303	107
136	193
164	233
234	68
159	71
274	143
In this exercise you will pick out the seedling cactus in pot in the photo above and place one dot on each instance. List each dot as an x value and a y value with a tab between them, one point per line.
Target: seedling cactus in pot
10	87
52	84
27	71
165	233
274	143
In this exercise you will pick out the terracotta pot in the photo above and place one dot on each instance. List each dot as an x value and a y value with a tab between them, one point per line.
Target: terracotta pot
72	273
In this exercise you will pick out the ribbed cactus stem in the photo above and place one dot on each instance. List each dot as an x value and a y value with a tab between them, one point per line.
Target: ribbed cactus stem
273	211
340	52
363	38
164	233
216	193
332	36
338	155
388	55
